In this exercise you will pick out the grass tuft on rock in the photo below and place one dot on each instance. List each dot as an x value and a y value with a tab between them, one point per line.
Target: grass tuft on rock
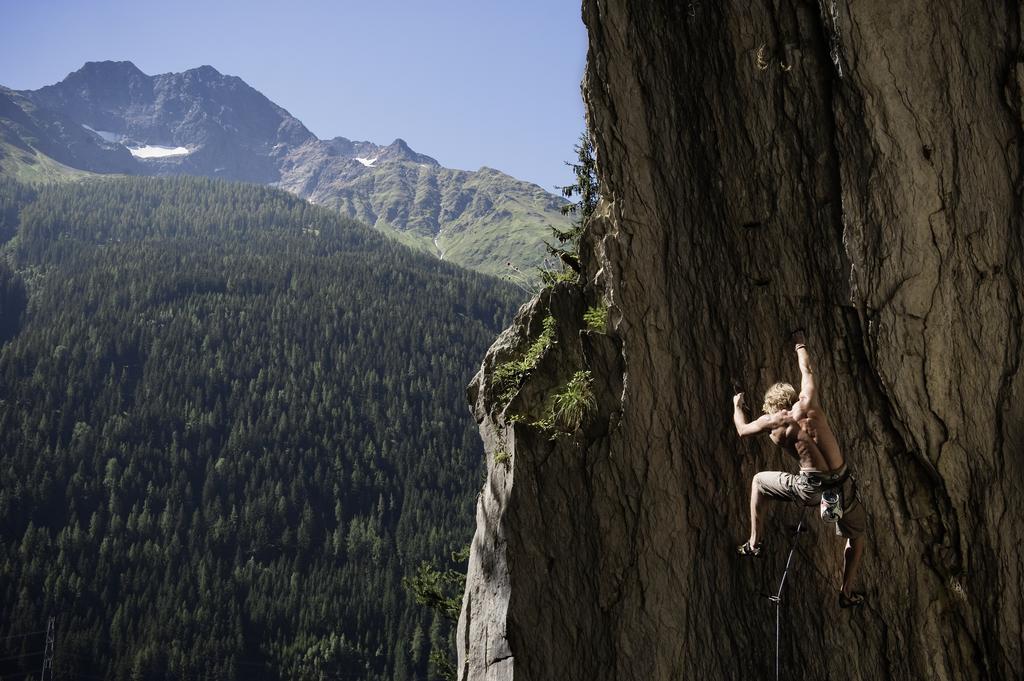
509	376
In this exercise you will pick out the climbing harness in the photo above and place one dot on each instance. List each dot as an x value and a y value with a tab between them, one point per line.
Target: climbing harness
833	500
827	480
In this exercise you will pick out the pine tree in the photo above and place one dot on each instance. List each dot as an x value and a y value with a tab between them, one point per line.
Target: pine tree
586	191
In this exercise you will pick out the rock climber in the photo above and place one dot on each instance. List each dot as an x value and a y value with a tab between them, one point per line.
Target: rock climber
798	425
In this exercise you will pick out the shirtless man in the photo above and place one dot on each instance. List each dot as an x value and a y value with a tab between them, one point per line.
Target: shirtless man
798	425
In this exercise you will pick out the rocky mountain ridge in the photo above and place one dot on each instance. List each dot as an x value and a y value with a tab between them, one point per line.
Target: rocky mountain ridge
230	129
115	118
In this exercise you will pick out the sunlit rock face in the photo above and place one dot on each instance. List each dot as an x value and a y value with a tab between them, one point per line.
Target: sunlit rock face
850	168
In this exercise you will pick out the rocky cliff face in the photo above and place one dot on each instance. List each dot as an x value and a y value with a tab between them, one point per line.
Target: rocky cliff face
854	169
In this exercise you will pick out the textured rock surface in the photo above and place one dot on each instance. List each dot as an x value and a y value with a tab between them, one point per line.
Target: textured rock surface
854	169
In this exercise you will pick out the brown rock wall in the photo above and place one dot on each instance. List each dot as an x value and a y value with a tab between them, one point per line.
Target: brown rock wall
850	168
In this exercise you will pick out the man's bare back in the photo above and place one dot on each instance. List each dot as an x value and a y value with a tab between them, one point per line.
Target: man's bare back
808	438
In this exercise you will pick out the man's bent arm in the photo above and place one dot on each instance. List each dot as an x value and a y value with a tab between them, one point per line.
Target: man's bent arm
808	391
764	424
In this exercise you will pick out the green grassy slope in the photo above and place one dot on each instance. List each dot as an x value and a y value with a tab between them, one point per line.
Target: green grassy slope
34	167
480	220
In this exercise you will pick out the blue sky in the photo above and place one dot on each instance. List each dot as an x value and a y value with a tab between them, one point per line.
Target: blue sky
471	83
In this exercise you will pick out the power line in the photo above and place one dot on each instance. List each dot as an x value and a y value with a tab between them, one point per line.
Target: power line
30	633
48	653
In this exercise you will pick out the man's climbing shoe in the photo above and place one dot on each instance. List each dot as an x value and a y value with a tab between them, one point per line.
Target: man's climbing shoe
745	549
854	600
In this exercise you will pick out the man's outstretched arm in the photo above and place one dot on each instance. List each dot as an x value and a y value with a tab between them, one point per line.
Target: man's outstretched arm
808	391
764	424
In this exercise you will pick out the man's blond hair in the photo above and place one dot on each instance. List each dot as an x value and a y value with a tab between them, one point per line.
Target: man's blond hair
780	396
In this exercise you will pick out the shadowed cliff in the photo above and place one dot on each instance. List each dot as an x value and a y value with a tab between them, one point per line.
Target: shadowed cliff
851	169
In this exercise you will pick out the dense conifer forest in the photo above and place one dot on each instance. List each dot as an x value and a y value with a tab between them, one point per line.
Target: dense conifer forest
230	424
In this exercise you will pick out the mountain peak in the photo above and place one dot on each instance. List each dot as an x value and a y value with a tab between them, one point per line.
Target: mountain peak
113	83
200	110
205	71
399	150
108	69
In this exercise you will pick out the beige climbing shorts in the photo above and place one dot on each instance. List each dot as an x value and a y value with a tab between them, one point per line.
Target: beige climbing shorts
789	487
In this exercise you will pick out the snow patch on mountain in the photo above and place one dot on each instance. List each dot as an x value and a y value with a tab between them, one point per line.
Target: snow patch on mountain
368	162
106	136
157	151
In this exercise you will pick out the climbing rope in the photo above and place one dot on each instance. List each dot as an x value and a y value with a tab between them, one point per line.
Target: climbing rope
777	598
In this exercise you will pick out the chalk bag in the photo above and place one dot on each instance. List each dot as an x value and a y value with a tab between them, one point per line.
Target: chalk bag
831	506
